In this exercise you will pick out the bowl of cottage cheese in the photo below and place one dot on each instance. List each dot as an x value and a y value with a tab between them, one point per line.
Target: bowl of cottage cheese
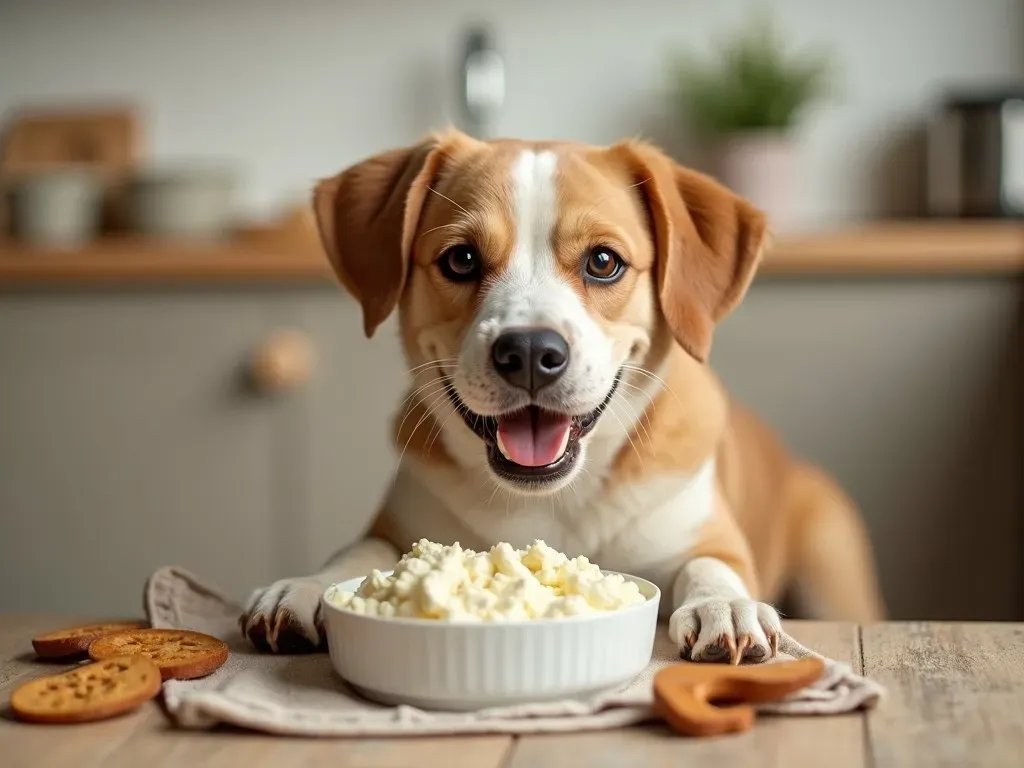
455	629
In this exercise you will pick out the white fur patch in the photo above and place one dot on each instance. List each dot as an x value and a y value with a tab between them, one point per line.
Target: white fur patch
716	619
531	291
536	206
645	528
705	578
534	290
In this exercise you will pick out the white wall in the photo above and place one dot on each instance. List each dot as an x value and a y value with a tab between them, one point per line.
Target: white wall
296	90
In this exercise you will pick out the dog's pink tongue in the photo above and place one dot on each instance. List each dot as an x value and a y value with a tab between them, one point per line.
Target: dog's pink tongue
532	438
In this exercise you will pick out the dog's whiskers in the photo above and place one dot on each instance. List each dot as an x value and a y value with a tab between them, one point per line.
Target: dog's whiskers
627	432
434	229
437	404
439	362
420	369
644	415
638	422
493	494
440	429
430	188
653	376
410	407
429	412
434	381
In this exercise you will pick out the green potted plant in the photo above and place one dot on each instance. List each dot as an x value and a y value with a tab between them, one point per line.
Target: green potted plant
746	103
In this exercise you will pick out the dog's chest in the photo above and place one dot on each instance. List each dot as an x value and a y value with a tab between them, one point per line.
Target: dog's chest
643	528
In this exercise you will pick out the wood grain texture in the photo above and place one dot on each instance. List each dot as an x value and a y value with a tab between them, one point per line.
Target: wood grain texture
956	694
783	741
903	247
155	745
27	745
18	661
17	658
135	260
32	745
956	698
144	737
913	248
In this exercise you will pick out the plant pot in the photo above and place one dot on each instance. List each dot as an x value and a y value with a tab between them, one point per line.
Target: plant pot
761	167
190	203
58	208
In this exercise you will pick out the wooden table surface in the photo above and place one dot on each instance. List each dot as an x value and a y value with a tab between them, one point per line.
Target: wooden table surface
291	252
955	698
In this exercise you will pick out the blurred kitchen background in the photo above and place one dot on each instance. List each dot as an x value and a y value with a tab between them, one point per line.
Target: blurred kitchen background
182	381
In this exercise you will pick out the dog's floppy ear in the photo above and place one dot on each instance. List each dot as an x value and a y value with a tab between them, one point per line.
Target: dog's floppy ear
367	218
708	243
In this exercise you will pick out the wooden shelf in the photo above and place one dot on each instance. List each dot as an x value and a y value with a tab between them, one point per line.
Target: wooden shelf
137	260
913	248
918	248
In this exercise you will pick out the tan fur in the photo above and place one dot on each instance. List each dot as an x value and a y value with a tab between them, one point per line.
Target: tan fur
792	517
693	248
456	210
753	471
709	242
367	217
599	204
416	431
680	429
721	538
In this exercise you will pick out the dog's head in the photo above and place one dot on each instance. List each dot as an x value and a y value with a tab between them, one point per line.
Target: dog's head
532	275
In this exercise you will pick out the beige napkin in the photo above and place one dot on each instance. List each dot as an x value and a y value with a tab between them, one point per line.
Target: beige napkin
302	695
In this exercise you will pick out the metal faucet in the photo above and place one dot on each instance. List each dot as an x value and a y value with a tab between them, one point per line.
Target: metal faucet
481	84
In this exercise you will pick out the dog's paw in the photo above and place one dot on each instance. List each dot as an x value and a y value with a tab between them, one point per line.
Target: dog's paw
726	630
285	617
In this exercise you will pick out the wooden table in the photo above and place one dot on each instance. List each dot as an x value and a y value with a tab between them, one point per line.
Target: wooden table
956	698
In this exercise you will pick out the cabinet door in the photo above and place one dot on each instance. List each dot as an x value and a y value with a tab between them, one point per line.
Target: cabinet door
338	426
909	392
127	442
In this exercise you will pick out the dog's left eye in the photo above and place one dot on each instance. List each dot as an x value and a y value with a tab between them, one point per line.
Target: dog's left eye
604	265
460	263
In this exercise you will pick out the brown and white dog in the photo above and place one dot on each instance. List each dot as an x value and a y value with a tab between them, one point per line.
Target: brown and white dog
556	304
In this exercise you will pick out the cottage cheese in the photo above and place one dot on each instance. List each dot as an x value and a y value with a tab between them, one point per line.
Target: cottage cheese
450	583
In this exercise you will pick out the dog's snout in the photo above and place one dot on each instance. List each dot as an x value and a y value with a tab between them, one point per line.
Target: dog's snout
530	358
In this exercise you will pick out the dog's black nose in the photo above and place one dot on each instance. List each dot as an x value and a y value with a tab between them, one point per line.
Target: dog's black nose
530	358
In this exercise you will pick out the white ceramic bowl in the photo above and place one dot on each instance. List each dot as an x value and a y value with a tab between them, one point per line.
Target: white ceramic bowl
458	666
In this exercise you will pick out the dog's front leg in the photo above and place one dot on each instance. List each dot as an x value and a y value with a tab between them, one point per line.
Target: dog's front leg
285	617
716	618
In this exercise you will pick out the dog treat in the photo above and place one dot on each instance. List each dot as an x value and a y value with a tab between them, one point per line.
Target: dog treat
454	584
89	692
685	693
179	654
75	641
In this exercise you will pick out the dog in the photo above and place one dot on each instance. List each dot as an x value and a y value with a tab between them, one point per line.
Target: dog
556	305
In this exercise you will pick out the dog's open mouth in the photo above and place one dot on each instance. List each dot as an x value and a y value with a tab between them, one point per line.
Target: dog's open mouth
533	445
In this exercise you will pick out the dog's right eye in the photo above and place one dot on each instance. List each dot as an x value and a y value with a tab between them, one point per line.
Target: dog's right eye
460	263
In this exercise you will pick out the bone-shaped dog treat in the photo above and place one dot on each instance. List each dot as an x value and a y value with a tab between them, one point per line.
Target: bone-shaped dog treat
684	692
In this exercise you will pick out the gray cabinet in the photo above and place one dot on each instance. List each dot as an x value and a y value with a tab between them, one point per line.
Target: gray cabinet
129	440
909	391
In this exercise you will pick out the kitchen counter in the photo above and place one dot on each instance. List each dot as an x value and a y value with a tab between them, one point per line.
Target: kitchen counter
903	248
249	257
896	248
956	694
